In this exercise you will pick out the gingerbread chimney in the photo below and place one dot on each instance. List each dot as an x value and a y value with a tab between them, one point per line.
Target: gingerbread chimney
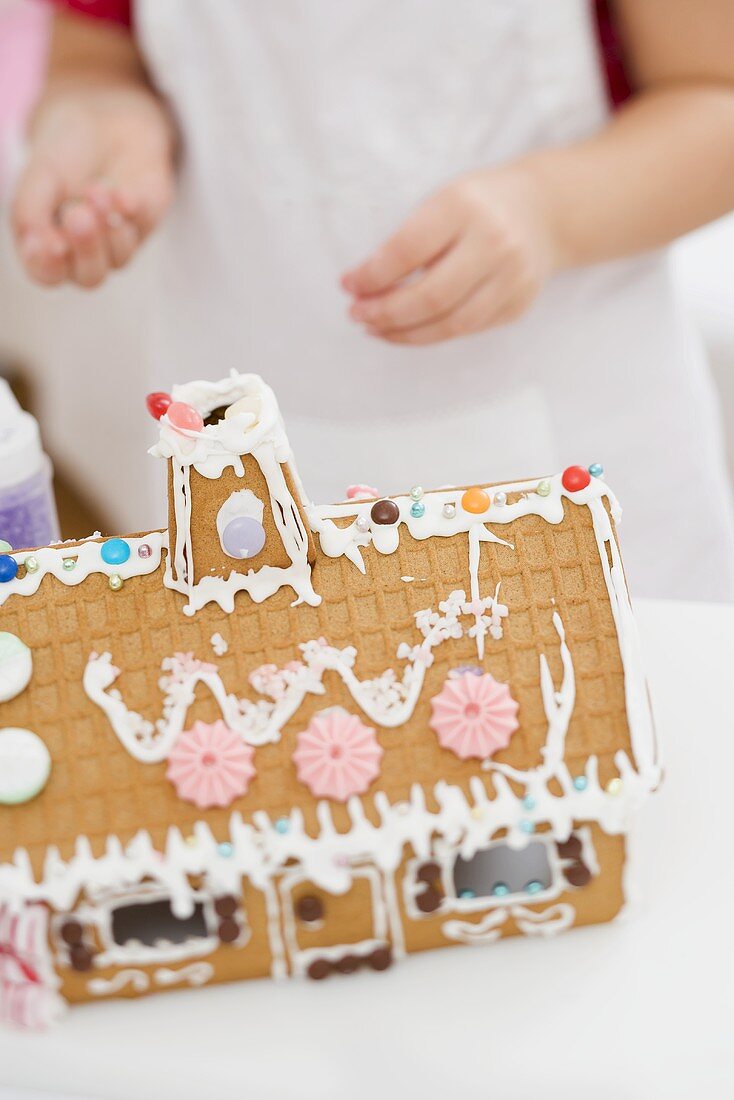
236	515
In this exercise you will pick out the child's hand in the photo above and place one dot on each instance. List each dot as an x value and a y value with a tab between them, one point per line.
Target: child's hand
474	255
99	178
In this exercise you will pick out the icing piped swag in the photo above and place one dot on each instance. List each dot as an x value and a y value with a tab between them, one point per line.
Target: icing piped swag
347	731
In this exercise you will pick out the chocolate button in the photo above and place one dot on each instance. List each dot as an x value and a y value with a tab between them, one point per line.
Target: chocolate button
429	900
348	964
319	969
225	906
380	958
428	872
569	849
80	957
578	874
385	512
228	930
71	932
309	908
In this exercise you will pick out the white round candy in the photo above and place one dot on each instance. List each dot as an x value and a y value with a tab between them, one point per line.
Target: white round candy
25	765
16	666
250	404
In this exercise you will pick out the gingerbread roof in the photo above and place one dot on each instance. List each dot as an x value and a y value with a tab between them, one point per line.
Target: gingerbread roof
529	589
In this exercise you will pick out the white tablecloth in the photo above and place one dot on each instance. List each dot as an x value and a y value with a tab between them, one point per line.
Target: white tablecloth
635	1010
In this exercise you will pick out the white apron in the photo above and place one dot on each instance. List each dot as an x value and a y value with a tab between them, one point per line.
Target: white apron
311	128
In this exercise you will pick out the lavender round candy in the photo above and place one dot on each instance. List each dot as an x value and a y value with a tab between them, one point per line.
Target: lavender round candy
243	537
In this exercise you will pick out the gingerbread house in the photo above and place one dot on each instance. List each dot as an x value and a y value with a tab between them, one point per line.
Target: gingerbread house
286	739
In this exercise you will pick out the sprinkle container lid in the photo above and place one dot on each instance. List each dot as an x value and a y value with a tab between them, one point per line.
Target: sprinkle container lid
21	451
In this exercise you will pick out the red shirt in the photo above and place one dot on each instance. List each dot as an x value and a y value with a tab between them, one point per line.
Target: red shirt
618	87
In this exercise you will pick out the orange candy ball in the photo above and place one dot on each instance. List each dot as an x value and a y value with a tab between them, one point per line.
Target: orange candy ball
475	501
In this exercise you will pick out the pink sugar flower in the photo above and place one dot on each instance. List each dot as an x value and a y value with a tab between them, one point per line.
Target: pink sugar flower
361	492
210	765
474	716
336	755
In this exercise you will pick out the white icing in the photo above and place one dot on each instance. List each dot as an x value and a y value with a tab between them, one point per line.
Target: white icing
88	557
331	858
212	450
533	922
300	958
388	700
25	765
259	849
197	973
16	666
445	855
348	542
219	644
99	915
104	987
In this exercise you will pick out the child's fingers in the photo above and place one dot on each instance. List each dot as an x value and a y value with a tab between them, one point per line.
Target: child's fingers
41	246
428	232
121	234
45	257
491	303
89	257
123	239
445	283
144	199
37	196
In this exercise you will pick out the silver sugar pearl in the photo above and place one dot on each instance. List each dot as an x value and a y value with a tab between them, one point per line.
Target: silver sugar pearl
449	511
500	498
362	524
416	492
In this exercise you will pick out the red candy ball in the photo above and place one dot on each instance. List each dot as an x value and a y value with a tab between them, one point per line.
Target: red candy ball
575	478
158	403
181	415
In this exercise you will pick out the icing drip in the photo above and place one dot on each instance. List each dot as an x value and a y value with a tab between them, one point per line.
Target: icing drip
639	716
386	700
212	450
259	850
50	562
348	541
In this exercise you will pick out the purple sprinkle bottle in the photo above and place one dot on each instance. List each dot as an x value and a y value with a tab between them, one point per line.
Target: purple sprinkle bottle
27	507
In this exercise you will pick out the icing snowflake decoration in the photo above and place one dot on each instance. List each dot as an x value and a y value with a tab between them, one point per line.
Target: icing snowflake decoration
210	765
337	755
474	715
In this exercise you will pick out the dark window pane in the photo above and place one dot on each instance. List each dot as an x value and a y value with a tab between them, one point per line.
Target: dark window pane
501	870
149	921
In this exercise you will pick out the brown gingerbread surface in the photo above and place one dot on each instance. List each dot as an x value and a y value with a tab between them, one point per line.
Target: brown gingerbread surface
96	788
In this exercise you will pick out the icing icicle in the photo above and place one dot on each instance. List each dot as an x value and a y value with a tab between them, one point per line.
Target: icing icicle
254	429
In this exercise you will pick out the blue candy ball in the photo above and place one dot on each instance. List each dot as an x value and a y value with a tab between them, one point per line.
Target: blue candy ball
596	469
115	552
243	537
8	569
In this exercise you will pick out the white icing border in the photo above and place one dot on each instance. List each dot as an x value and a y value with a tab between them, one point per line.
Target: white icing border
88	562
